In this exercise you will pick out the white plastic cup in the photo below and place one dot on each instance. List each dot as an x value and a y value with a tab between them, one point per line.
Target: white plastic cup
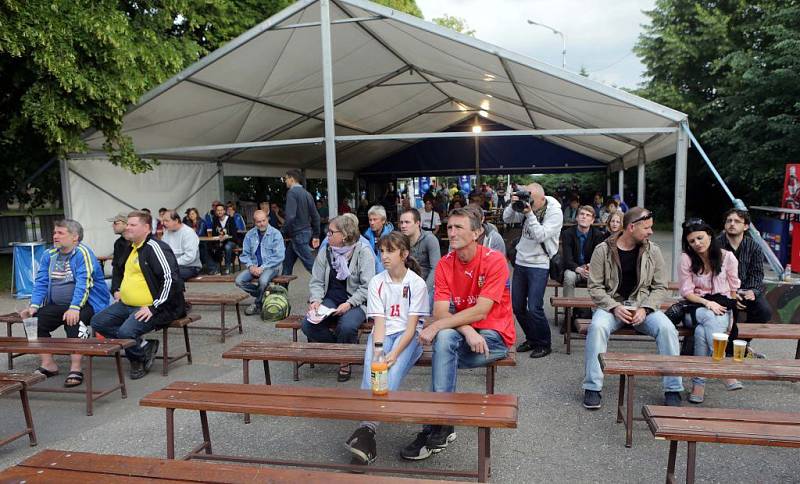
31	326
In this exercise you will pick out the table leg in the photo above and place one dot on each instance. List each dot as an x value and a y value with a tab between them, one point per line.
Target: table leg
490	374
296	369
620	398
170	433
691	455
206	433
123	389
246	380
797	351
89	392
222	322
267	379
187	344
568	329
629	414
239	318
165	352
673	452
483	471
11	354
26	409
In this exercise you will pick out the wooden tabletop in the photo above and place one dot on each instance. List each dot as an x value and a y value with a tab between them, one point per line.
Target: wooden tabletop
206	238
472	409
703	366
58	466
64	346
223	298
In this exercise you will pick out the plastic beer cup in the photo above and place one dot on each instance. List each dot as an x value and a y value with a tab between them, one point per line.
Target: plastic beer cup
31	326
720	343
739	349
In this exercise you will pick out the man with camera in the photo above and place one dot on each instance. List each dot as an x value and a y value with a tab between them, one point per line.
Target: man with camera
541	219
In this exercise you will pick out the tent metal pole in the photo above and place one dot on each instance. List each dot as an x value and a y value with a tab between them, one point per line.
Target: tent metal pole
640	181
221	182
66	195
679	210
608	182
327	101
621	183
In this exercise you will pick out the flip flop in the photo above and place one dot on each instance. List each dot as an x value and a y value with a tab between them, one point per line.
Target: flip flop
76	377
344	374
44	371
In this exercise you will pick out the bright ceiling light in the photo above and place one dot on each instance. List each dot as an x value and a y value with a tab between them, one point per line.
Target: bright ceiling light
483	113
477	128
485	105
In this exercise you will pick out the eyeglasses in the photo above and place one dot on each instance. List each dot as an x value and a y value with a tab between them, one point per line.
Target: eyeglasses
643	218
331	232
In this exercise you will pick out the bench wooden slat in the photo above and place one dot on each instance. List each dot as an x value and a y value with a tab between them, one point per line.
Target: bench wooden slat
662	365
499	411
721	414
9	387
210	299
319	352
63	346
587	303
583	329
219	278
26	379
769	331
121	468
10	318
190	318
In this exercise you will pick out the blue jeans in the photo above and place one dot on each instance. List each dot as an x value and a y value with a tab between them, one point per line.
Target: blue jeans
451	352
527	299
298	248
405	360
244	281
187	272
345	331
708	323
656	324
117	321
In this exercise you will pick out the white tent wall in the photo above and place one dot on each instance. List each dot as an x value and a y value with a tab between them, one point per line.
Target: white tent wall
167	185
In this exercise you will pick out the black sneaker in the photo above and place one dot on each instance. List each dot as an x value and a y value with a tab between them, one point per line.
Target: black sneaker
672	399
526	346
362	445
418	450
137	370
541	351
592	399
150	354
440	437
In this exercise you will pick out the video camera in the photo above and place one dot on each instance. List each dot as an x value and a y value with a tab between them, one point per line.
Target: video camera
524	199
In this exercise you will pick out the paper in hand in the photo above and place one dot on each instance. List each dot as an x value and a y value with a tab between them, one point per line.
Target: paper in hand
322	312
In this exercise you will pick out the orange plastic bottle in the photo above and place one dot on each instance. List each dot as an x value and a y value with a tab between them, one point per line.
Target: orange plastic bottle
379	371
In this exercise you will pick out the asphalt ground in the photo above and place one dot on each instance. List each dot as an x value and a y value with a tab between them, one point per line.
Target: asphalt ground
557	440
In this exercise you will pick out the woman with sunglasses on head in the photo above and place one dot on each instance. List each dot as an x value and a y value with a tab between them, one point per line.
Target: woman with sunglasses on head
709	278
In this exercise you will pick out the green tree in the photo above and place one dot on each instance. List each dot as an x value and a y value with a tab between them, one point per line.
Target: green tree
456	23
67	67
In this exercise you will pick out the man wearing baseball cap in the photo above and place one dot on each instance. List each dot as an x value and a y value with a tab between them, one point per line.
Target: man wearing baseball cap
118	223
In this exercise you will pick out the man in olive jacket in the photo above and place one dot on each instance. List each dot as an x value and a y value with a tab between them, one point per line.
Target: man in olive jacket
628	267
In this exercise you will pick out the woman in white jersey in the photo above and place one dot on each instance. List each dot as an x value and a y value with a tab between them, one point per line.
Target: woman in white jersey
397	301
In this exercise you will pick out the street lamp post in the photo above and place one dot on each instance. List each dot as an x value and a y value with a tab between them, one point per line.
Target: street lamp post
563	41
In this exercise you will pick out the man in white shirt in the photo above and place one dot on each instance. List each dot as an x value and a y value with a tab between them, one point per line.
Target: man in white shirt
184	244
429	219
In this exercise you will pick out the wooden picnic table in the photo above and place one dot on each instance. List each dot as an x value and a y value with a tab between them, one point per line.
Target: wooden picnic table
628	366
90	348
464	409
20	382
58	466
207	238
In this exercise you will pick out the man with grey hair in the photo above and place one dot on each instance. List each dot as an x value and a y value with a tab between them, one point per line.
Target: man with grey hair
69	290
262	254
378	227
184	242
541	219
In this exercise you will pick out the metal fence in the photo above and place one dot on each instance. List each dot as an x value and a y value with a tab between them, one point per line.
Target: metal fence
25	228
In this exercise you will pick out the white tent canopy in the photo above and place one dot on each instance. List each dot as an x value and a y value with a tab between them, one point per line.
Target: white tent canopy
257	106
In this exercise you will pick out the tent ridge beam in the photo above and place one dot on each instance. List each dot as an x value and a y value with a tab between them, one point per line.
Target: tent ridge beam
333	22
489	134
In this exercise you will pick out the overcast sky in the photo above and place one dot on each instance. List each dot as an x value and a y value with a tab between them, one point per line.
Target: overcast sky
600	33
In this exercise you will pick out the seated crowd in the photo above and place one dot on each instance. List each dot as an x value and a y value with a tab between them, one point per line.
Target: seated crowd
462	303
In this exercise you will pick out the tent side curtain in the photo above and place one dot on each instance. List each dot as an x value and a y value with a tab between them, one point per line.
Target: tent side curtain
100	190
515	154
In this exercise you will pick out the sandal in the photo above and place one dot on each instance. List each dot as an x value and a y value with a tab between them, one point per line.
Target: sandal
344	374
698	394
733	384
74	378
44	371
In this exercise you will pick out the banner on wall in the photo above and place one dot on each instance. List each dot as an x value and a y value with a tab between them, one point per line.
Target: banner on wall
791	187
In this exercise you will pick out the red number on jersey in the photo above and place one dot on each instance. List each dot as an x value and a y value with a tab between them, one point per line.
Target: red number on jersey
394	310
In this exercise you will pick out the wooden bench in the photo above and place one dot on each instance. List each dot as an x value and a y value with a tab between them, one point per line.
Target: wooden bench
467	409
10	319
231	278
570	303
221	300
20	382
90	348
294	322
183	324
57	466
627	366
626	332
720	426
771	331
327	353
